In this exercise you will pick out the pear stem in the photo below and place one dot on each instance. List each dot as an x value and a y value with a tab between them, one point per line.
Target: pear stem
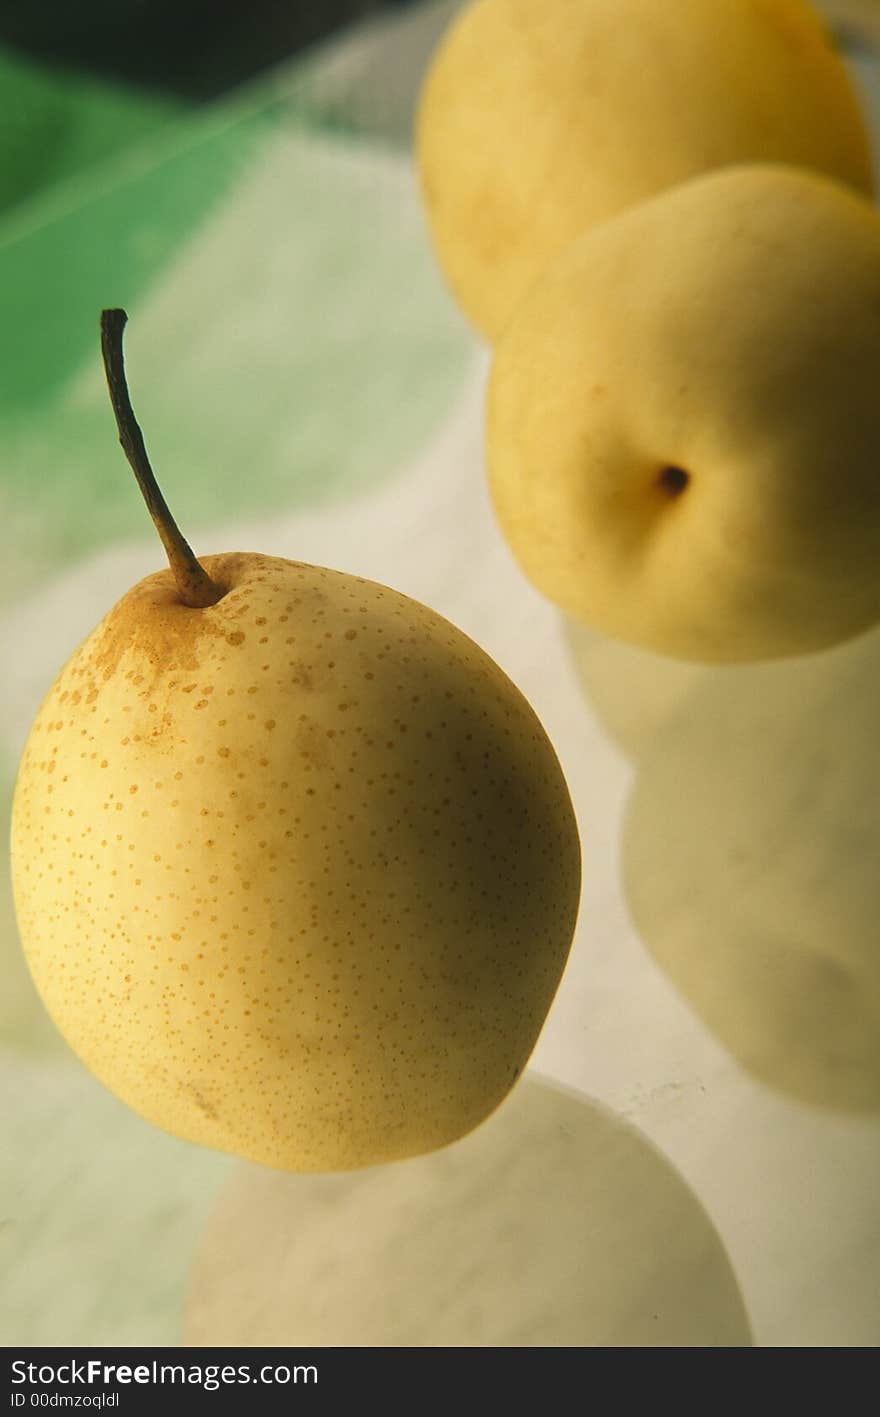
194	586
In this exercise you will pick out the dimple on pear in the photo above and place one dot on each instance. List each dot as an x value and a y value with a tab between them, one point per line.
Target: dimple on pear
683	420
295	865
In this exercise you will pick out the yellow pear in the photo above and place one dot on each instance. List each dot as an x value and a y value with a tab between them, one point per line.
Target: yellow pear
683	420
295	865
538	120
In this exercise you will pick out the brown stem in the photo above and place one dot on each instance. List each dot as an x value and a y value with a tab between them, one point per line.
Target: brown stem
194	585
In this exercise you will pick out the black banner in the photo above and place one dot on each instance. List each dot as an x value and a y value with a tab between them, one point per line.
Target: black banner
136	1380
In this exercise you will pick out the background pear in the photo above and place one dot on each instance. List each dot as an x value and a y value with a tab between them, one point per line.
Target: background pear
538	120
296	869
683	422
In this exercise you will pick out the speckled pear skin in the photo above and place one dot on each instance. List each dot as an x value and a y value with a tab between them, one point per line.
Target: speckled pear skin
296	875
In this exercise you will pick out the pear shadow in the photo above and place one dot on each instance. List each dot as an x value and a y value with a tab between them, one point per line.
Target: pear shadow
553	1224
632	692
751	866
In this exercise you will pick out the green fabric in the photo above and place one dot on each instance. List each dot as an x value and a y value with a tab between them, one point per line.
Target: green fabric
54	125
286	319
100	240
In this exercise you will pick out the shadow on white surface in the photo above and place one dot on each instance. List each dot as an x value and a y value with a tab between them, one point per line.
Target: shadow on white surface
554	1224
631	691
750	859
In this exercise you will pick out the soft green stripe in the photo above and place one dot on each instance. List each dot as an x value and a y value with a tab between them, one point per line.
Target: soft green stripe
290	341
104	249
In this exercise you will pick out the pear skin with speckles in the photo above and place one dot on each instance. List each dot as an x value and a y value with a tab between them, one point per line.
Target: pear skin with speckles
296	874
